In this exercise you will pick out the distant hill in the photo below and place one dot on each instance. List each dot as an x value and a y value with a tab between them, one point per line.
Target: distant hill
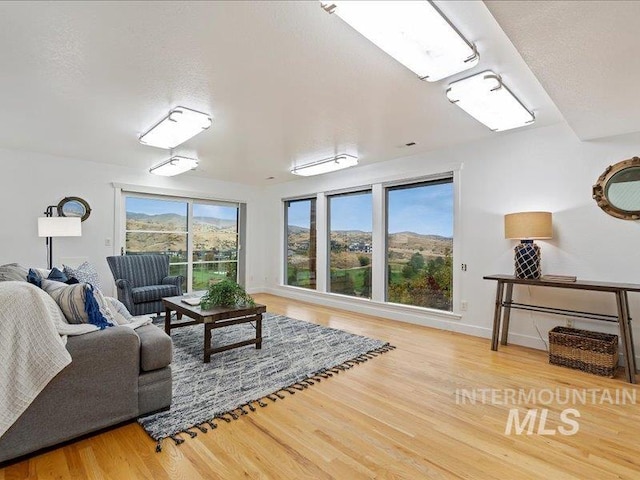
402	244
174	218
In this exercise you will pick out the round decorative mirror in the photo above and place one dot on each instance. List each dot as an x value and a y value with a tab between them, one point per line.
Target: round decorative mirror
74	207
617	190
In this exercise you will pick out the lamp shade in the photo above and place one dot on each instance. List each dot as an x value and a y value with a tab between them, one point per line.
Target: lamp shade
528	225
59	227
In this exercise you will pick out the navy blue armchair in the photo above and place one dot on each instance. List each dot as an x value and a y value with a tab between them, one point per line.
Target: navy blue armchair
143	280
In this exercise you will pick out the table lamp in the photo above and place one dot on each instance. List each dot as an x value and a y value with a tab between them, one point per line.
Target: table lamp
527	227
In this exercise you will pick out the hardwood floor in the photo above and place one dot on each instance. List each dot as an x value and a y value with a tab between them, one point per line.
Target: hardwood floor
395	416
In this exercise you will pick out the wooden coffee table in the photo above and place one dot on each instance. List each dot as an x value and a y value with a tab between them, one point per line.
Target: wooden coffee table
217	317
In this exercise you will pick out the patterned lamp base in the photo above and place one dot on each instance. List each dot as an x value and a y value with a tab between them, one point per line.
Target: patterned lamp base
527	260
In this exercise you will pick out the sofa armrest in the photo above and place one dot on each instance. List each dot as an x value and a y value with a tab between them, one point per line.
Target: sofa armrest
174	280
124	293
156	348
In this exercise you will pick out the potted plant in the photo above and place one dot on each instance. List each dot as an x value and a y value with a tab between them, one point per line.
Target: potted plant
226	293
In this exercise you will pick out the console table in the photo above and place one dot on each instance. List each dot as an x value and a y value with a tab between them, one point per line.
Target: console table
504	304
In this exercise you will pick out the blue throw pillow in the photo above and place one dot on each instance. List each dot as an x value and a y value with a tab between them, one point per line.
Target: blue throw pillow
57	276
34	277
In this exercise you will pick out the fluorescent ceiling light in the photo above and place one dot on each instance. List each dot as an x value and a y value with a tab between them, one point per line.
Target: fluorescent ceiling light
179	126
413	32
174	166
488	100
327	165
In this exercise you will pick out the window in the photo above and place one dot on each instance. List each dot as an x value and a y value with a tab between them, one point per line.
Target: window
420	244
201	238
350	239
300	220
215	244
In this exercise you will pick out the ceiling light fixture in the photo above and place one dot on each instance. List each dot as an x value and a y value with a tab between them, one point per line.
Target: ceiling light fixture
488	100
326	165
177	127
174	166
416	34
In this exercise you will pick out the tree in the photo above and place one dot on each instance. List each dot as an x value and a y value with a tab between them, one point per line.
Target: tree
364	260
366	282
341	282
416	262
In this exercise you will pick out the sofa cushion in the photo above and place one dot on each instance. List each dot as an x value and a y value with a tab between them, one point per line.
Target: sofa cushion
153	293
156	348
13	272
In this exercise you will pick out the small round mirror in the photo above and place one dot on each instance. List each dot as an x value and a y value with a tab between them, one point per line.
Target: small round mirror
617	190
74	207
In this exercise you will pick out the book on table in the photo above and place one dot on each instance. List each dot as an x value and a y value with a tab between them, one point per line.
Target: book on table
559	278
193	301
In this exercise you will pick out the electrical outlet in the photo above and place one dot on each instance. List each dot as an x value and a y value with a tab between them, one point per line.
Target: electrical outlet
570	322
464	305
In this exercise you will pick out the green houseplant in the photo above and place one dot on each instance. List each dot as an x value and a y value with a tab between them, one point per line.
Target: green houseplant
226	293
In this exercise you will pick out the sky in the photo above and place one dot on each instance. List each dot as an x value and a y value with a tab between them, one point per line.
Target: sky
427	210
152	206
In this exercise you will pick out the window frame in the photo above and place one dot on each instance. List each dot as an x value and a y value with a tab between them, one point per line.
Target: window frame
447	170
438	179
341	193
285	208
122	192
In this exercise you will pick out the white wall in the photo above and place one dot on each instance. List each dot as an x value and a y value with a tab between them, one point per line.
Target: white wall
30	182
538	169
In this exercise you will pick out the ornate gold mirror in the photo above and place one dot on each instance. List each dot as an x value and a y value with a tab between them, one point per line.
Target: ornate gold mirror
617	190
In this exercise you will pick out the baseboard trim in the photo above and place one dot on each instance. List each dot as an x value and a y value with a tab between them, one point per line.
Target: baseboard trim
446	321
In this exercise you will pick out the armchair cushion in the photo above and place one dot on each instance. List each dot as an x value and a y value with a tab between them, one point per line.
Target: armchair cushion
173	280
152	293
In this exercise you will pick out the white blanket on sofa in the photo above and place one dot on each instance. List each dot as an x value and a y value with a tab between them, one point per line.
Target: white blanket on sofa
33	334
31	349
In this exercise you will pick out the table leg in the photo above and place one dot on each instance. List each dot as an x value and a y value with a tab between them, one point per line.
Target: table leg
506	316
623	324
259	331
207	342
625	300
496	316
167	321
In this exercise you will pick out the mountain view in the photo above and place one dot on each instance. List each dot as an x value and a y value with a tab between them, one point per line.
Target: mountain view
210	234
215	244
419	266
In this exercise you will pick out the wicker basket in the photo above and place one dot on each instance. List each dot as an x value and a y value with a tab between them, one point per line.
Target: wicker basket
591	352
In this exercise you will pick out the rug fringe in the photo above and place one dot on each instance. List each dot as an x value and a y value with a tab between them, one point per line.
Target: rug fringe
291	389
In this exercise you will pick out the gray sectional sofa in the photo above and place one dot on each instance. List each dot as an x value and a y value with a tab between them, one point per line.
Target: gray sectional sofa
116	374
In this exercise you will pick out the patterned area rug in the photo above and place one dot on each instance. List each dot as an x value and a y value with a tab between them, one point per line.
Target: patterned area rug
294	356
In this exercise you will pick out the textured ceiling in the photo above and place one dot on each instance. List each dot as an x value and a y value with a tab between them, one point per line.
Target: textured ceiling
285	82
585	54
